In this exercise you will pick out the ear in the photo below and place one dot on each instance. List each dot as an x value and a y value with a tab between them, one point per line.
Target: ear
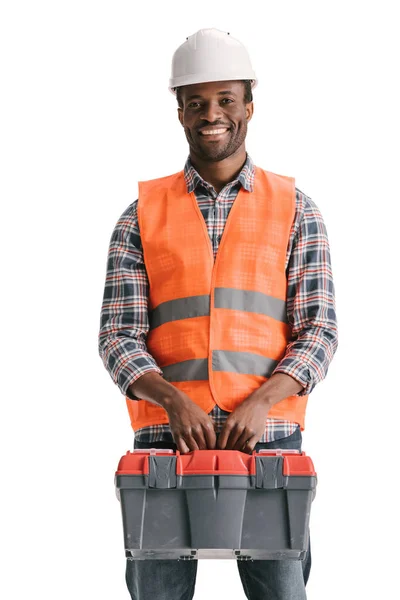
249	111
180	116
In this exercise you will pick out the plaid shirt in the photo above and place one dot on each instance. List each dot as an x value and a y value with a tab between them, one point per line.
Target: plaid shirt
310	298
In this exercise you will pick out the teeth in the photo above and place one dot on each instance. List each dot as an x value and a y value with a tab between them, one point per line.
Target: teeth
213	131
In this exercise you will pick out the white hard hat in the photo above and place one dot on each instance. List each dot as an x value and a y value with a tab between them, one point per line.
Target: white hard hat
210	55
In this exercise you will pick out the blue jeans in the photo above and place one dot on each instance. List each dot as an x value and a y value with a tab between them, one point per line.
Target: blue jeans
261	579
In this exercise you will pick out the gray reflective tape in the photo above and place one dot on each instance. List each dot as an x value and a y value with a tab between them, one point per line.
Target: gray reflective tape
243	362
251	302
222	360
181	308
199	306
187	370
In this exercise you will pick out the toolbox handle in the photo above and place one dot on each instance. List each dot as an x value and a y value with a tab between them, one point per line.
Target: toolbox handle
153	451
278	451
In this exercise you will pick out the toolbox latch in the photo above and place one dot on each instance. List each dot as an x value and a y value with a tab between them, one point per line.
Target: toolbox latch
269	472
162	472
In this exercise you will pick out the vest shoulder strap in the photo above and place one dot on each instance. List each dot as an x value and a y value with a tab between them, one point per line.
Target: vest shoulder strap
154	186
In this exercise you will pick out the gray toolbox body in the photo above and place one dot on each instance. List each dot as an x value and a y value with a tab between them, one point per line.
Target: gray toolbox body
215	504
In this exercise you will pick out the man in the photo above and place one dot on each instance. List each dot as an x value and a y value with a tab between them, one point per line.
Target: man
218	316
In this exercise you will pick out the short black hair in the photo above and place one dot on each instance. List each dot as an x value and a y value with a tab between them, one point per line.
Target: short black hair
248	94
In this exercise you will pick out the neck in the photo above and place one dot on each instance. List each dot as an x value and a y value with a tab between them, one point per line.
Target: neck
218	174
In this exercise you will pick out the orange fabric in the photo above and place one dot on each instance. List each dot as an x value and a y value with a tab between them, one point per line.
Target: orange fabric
179	262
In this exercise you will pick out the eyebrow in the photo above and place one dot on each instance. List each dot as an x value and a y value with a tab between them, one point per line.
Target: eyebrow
223	93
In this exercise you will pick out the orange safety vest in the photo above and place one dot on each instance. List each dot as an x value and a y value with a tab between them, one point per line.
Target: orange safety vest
217	330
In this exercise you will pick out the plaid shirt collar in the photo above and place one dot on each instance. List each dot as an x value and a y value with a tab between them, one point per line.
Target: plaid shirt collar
245	177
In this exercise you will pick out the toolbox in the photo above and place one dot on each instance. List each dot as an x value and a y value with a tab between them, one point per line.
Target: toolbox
215	504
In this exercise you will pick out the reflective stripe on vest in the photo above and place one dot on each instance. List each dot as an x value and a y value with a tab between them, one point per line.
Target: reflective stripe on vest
199	306
222	360
217	330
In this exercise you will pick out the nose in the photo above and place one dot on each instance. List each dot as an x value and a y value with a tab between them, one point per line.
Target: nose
211	111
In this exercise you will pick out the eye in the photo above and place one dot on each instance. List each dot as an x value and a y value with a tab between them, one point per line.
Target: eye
193	104
227	100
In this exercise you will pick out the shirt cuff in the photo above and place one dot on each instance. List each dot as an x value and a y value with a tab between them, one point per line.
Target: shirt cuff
298	371
125	387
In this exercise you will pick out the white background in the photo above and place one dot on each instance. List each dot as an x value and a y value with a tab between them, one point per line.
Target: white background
85	114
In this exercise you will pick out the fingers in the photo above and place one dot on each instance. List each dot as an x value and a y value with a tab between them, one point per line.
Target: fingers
242	440
190	444
223	437
186	444
210	436
202	436
236	437
196	438
181	445
249	445
230	435
191	427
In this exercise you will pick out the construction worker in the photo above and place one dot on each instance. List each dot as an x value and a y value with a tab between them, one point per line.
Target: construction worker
218	316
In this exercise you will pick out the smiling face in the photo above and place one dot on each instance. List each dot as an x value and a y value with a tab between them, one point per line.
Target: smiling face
214	116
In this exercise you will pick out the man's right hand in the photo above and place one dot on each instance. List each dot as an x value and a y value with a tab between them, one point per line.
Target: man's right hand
191	427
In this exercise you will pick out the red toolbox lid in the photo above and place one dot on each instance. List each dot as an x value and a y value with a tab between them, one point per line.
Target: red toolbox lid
216	462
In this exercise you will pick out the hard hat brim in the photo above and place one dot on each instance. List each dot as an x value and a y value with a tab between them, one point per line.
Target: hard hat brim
191	80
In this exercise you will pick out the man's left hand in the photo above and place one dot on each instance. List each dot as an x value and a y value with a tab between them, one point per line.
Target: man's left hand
245	425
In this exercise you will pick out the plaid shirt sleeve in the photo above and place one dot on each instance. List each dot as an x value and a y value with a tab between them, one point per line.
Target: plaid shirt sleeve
310	298
124	322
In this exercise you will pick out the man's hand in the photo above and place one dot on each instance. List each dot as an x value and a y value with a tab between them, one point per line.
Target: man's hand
245	425
191	427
